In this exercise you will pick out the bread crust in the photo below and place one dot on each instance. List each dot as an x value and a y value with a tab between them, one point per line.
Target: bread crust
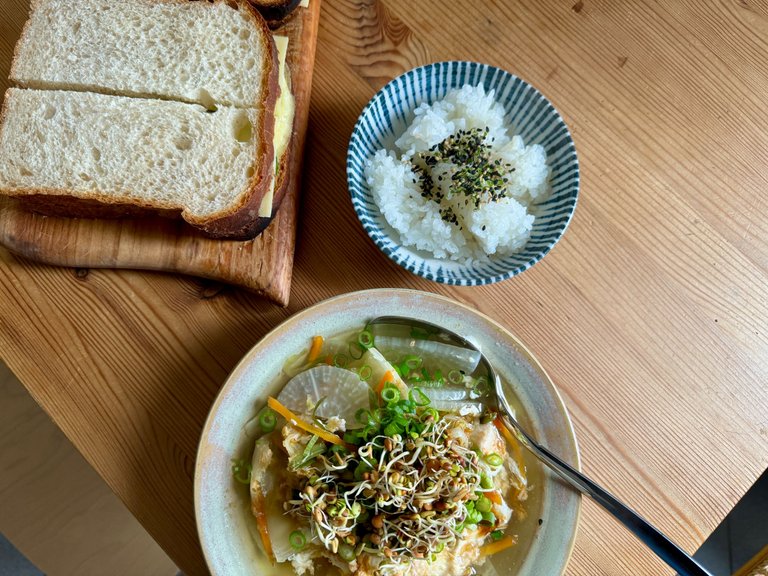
275	11
239	221
56	203
281	187
24	32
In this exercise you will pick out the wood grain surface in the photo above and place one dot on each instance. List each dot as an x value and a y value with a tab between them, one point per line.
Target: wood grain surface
263	265
650	314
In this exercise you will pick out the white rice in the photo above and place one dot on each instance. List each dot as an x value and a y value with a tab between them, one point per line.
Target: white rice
499	227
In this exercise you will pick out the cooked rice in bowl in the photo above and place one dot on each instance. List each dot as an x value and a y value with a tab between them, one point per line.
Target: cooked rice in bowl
458	184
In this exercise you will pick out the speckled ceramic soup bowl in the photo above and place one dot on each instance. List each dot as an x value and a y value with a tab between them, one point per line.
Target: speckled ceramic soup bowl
228	531
527	113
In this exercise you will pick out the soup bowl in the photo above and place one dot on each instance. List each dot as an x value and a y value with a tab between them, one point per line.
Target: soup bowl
227	530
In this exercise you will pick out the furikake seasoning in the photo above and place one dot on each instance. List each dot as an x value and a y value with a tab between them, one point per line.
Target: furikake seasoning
476	176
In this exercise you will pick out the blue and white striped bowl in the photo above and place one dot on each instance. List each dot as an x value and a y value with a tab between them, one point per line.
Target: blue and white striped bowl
529	114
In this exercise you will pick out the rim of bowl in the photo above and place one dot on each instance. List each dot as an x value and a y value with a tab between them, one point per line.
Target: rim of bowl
570	435
389	246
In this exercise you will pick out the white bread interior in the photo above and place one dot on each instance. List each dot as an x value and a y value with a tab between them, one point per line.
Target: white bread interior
114	149
201	52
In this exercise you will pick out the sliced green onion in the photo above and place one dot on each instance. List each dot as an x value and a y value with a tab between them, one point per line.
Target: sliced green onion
427	412
352	437
482	387
365	372
363	416
494	460
241	471
340	360
390	394
417	396
297	540
356	351
346	552
455	377
489	517
267	420
412	362
497	535
483	504
365	339
392	429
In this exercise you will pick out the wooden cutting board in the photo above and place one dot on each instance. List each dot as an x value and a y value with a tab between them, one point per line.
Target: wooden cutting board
263	265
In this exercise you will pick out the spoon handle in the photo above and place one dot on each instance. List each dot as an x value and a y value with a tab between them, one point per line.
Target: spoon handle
655	540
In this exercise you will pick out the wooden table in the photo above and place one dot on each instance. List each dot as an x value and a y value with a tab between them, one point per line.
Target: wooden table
651	314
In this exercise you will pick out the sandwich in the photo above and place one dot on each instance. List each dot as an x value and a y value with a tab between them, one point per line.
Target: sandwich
161	107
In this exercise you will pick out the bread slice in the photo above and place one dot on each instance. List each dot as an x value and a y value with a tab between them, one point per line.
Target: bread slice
76	150
210	53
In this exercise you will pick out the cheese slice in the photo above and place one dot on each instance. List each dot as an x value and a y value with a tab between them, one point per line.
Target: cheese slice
284	111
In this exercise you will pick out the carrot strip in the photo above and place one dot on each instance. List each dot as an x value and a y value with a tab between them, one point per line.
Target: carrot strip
494	497
388	377
314	351
514	444
498	546
257	508
311	428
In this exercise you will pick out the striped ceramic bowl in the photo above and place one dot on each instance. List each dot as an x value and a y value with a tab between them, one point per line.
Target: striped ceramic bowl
529	114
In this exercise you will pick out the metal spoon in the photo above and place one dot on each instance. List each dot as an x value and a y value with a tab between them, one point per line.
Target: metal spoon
662	546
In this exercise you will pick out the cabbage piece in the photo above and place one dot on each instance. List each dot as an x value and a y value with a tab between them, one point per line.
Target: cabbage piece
444	356
454	400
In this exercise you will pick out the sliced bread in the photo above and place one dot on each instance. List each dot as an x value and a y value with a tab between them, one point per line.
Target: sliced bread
72	150
210	53
155	57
